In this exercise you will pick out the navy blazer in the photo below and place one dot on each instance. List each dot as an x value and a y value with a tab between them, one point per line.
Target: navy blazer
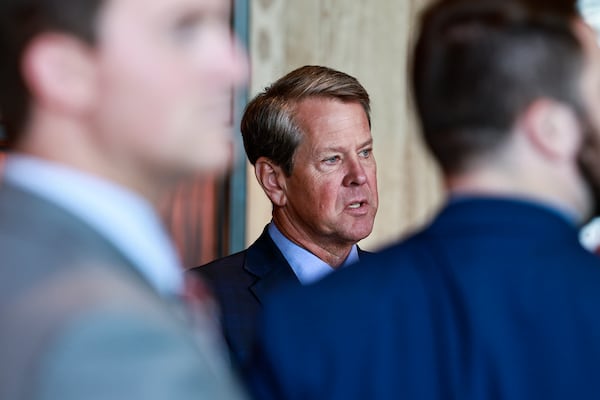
241	283
496	299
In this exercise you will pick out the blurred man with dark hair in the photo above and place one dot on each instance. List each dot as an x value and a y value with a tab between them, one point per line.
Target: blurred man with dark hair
495	298
107	103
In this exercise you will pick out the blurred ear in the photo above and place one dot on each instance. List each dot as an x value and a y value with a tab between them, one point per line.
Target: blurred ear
272	179
59	71
552	128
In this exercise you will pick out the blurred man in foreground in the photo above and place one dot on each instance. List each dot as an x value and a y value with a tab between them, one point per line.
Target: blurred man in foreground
107	103
496	298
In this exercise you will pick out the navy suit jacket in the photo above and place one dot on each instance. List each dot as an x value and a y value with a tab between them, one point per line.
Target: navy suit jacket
496	299
241	283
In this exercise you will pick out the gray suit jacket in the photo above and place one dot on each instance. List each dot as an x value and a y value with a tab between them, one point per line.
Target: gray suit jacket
79	322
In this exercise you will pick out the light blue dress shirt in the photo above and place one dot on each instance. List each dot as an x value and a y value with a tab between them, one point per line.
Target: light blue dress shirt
307	267
124	218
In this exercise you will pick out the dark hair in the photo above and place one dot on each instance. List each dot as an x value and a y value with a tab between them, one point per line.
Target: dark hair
479	63
269	127
20	22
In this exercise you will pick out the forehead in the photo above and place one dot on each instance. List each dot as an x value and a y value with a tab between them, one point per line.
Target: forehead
327	121
591	51
587	37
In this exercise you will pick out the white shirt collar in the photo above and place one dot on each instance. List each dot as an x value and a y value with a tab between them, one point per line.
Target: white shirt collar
126	219
307	267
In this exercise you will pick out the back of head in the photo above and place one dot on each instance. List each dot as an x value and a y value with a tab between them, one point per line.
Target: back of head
20	22
268	126
479	63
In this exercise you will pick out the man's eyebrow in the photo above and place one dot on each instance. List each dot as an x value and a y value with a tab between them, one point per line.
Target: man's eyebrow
339	149
368	142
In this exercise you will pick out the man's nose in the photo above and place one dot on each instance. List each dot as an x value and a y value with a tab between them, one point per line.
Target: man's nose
355	174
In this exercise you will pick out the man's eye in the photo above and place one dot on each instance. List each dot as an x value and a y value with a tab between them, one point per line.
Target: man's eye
331	160
187	25
366	153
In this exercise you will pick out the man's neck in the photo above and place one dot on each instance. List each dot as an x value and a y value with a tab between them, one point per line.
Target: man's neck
331	252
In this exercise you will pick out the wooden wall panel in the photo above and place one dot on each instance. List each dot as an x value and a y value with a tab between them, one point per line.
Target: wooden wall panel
370	40
189	212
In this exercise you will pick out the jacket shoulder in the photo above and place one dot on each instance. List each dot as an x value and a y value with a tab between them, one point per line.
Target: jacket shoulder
221	266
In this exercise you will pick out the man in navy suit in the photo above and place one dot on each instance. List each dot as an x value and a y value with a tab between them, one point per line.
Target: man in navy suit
496	298
309	138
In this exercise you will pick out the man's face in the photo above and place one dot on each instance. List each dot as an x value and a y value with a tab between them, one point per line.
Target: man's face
331	195
165	72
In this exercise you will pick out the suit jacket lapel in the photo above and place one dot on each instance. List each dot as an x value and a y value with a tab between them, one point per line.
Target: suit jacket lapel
265	261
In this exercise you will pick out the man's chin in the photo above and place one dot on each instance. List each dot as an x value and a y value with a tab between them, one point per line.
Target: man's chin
217	158
356	234
593	210
215	167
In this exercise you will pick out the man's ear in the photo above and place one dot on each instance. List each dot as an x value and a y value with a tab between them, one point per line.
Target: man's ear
59	71
272	179
552	128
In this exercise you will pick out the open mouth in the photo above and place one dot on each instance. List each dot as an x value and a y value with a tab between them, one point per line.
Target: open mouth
356	205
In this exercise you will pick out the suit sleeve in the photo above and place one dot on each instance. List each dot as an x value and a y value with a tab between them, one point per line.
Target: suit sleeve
122	355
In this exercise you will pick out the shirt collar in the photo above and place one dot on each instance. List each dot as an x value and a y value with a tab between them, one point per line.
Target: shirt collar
126	219
307	267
